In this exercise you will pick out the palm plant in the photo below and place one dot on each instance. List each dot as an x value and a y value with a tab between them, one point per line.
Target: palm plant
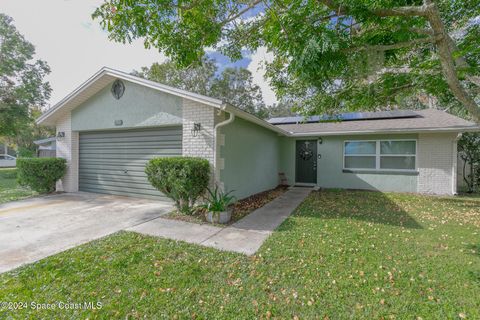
218	201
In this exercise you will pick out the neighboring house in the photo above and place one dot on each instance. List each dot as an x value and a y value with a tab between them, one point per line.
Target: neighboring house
111	125
46	147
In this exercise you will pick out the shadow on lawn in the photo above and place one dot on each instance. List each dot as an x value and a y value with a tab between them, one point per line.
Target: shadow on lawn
474	249
367	206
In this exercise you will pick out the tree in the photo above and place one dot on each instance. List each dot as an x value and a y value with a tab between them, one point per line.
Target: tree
469	150
21	79
29	132
196	78
329	54
282	109
234	85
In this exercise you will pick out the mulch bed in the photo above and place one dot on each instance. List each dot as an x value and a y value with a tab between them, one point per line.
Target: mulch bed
240	209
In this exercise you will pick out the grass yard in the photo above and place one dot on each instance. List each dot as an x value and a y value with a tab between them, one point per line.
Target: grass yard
9	188
344	254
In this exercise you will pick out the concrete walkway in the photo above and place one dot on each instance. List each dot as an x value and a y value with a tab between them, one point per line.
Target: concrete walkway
244	236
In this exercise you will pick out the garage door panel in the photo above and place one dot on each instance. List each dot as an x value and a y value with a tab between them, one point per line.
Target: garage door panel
125	184
126	190
115	134
113	162
128	193
131	162
126	157
139	150
131	139
133	145
113	170
113	178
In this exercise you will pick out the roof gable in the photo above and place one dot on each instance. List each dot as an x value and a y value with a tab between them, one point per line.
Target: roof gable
105	77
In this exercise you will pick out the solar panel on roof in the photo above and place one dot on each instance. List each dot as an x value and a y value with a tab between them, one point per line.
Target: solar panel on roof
352	116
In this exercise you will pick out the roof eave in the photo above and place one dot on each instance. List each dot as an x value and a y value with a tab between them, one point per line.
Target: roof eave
411	130
254	119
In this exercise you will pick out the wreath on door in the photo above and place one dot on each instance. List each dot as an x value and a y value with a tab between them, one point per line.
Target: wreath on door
305	152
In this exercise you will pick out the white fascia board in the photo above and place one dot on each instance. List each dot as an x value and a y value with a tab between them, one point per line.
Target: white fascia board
417	130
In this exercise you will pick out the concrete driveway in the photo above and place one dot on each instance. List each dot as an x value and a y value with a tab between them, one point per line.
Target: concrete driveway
35	228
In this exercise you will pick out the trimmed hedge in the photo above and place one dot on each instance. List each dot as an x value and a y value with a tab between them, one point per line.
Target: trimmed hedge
183	179
40	174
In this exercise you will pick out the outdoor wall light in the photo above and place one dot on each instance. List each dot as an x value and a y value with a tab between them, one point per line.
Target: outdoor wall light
196	128
320	141
60	135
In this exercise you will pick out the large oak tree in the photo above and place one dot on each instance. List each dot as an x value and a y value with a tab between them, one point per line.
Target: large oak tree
330	55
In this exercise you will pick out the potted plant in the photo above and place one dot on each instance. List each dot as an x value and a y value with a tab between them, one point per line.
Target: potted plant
217	206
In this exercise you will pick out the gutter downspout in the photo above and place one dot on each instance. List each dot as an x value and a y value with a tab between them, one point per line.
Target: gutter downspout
216	177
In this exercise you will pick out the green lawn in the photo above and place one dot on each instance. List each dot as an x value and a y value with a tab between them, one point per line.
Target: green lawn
9	188
344	254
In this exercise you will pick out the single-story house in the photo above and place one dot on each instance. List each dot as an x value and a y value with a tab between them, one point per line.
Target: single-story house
111	125
46	147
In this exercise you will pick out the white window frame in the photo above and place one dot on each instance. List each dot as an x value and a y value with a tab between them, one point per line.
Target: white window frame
378	155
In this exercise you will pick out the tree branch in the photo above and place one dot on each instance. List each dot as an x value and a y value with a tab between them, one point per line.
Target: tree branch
424	31
250	6
445	53
385	47
407	11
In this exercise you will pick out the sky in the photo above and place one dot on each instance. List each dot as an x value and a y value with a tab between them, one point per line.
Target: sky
75	46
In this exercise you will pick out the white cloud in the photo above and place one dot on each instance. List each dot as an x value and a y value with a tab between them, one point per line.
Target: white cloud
257	68
74	45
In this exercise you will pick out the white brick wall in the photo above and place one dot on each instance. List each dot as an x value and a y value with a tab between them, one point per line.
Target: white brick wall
436	165
67	148
203	144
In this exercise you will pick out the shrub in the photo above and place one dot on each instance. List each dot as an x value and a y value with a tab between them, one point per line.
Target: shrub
40	174
182	179
24	152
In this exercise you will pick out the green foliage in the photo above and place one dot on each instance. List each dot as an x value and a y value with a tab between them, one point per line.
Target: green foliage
233	85
25	153
182	179
218	201
329	56
21	79
40	174
469	149
28	133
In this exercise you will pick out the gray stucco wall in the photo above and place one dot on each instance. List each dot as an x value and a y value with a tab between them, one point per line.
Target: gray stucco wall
330	166
287	159
250	157
138	107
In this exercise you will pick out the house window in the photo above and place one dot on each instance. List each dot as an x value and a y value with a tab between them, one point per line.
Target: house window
387	155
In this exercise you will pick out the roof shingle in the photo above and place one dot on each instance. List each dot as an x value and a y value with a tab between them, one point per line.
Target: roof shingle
428	120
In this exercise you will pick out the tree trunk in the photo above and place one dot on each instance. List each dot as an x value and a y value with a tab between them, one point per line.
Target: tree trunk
469	186
448	64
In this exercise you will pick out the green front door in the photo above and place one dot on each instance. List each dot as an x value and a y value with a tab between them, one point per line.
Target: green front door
306	161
